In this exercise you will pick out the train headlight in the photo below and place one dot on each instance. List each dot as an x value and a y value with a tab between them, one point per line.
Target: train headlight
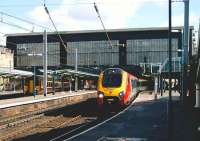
121	94
100	95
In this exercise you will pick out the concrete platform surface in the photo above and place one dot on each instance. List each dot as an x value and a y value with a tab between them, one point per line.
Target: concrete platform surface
30	104
145	120
6	103
2	93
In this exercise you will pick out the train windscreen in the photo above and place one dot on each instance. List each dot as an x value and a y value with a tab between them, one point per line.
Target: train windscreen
112	78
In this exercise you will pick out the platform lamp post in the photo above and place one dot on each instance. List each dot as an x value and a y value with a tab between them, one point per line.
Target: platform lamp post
197	105
76	69
185	48
34	72
181	51
70	85
45	63
169	105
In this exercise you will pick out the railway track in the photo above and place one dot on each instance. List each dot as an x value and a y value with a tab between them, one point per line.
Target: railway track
43	121
55	124
14	120
41	126
107	116
71	134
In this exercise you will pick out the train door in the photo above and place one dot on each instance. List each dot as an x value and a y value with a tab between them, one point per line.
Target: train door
134	87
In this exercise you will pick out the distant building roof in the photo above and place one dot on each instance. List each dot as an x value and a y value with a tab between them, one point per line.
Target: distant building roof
99	31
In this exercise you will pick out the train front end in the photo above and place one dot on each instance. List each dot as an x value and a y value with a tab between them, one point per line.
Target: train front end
111	87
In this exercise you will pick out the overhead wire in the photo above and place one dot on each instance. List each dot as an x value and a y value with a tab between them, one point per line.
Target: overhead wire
81	3
48	51
49	37
32	23
15	25
55	52
26	29
47	11
60	38
24	20
63	43
99	16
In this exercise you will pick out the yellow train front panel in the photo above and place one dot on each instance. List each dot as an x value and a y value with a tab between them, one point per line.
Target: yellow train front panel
115	84
112	86
112	91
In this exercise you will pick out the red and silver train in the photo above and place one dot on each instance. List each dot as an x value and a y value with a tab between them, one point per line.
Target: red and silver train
116	86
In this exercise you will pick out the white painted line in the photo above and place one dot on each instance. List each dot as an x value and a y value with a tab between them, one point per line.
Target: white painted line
42	100
198	128
67	133
121	139
105	121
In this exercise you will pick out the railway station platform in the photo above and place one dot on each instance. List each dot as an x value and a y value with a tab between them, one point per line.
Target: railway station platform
3	93
16	106
146	120
11	94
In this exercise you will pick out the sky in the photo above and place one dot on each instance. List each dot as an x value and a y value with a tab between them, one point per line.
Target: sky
70	15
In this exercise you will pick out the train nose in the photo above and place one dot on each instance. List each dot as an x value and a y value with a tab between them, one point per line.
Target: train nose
100	98
100	95
121	95
121	98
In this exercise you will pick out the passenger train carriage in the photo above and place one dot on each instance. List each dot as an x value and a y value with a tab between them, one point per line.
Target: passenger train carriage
116	86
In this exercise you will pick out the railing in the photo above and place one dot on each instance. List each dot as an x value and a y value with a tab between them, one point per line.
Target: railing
155	68
176	65
151	68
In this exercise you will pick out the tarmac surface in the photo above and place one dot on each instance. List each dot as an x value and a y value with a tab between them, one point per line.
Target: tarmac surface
146	120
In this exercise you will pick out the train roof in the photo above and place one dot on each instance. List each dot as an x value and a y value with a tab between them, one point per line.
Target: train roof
113	69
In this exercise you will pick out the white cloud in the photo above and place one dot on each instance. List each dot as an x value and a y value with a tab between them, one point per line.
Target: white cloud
39	14
178	20
115	14
4	30
80	15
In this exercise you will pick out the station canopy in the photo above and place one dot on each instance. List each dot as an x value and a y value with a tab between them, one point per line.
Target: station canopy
10	72
70	72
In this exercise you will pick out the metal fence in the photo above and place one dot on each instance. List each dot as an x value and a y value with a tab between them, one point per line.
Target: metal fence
176	65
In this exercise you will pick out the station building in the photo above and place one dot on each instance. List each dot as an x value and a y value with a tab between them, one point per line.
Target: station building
6	62
6	58
130	47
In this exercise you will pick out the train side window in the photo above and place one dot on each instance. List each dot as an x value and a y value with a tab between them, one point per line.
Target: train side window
130	80
139	85
135	83
132	83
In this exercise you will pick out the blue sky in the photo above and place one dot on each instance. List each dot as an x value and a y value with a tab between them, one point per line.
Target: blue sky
80	14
